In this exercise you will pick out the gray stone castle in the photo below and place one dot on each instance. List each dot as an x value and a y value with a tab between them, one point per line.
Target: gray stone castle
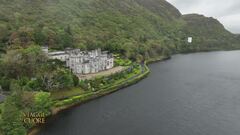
83	62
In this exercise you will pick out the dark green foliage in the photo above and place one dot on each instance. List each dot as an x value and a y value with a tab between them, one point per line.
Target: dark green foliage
33	71
33	85
84	85
132	28
119	26
18	103
11	117
42	103
5	83
75	80
104	82
12	120
18	63
64	79
17	94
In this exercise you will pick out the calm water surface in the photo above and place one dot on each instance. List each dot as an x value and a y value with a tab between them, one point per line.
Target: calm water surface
193	94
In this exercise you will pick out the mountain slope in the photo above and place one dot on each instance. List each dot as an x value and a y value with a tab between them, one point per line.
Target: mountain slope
160	7
208	33
111	24
134	28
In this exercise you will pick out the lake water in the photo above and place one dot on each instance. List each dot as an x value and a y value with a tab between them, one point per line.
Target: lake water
2	98
192	94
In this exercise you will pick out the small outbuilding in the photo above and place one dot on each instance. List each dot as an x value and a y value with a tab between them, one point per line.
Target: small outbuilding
190	39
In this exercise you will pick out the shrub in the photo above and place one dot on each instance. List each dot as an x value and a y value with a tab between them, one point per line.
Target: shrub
42	103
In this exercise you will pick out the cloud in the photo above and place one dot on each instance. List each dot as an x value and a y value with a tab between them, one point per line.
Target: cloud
228	12
231	22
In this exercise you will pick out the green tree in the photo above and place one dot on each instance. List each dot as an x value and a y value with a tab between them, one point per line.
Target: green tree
12	119
22	38
40	37
42	103
16	94
64	40
75	80
5	83
23	62
64	79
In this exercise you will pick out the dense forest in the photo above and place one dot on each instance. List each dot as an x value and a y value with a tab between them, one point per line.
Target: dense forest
136	30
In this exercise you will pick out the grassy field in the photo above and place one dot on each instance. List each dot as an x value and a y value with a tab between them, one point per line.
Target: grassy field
62	94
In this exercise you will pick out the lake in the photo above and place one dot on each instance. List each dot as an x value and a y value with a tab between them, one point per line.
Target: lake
2	98
191	94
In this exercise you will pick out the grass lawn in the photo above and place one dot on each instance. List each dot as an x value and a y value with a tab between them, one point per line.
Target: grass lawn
61	94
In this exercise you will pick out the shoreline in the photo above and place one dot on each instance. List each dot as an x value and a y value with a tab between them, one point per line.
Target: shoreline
36	129
158	59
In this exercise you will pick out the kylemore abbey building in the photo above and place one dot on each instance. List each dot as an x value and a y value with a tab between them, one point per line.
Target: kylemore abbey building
83	62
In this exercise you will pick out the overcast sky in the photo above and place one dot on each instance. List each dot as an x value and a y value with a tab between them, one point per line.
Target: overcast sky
226	11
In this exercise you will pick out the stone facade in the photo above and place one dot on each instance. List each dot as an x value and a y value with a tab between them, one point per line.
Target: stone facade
83	62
